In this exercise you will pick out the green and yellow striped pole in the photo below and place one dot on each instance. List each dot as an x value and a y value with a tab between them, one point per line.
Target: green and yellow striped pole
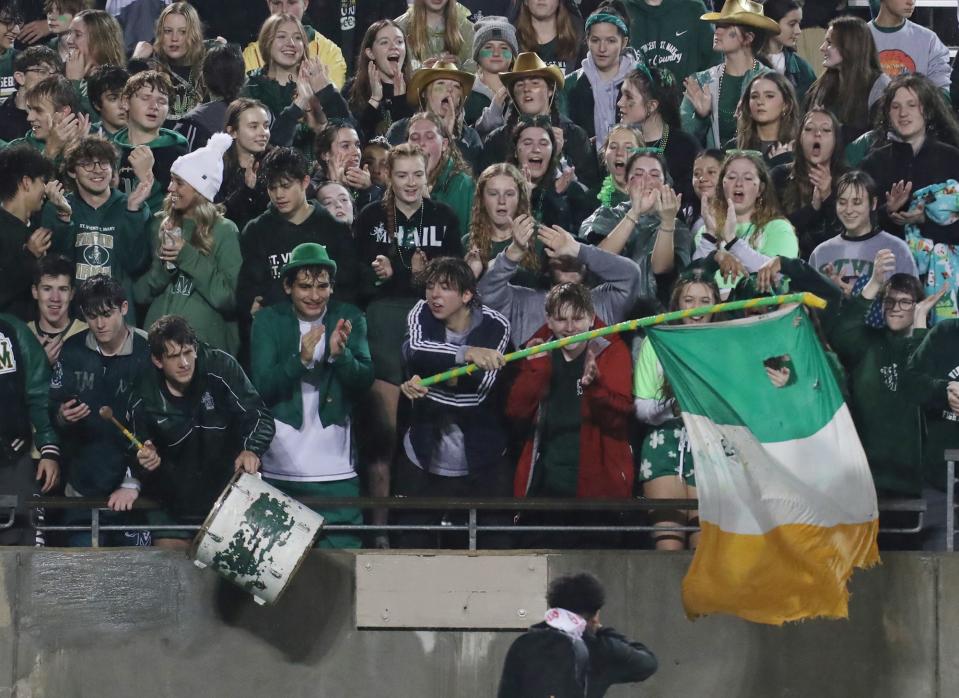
809	299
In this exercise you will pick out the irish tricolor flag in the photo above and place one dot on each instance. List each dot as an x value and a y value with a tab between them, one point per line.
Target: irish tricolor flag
787	504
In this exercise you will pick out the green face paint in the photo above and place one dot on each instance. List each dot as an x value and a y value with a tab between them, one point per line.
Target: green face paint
506	54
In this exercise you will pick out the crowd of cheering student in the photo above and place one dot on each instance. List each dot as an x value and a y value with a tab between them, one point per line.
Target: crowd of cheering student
252	243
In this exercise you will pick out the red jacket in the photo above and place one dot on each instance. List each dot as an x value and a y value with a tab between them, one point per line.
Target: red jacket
605	458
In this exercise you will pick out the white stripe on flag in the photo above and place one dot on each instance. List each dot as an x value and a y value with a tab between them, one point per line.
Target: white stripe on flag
750	487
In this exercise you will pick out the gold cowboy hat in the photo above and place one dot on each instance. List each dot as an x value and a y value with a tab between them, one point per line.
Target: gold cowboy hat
743	12
441	70
530	65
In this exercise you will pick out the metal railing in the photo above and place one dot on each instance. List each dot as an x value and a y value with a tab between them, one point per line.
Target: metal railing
472	507
951	457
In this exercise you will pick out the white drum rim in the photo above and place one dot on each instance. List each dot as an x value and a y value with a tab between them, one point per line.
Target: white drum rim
208	521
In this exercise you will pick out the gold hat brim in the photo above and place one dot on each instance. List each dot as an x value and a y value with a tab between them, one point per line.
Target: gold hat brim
748	19
424	76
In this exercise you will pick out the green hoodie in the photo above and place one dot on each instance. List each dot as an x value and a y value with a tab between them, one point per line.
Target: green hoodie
7	84
672	36
202	287
889	427
166	147
30	139
933	366
107	240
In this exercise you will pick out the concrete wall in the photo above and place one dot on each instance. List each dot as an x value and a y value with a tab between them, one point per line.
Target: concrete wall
147	623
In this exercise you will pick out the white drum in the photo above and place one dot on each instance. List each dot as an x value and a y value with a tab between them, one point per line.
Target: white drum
256	537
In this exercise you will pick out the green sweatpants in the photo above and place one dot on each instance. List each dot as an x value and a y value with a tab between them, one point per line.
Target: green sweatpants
346	515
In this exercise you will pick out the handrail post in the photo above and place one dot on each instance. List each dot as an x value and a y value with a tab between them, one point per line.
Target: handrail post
950	505
472	526
95	528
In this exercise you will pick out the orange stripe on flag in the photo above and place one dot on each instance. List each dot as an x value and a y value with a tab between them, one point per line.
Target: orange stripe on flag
793	572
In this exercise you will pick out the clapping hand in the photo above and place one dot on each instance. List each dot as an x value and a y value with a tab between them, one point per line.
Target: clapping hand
898	196
699	96
558	242
376	82
925	306
39	242
820	176
55	195
308	343
475	262
523	228
567	177
140	193
914	216
340	336
667	204
642	199
382	267
729	227
590	368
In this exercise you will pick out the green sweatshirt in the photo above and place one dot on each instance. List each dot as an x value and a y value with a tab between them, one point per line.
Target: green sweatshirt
887	418
456	191
107	240
275	96
672	36
889	426
202	288
30	139
7	84
166	147
83	96
931	368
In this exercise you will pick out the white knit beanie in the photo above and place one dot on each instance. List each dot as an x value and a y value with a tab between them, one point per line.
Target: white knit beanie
203	168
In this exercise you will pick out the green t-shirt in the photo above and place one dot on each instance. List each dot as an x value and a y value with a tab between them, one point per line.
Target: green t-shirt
559	459
648	374
732	89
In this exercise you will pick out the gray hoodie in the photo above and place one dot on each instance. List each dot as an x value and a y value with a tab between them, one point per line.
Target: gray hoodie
526	307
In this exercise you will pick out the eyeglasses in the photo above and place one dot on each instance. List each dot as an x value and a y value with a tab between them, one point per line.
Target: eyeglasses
902	303
91	165
40	70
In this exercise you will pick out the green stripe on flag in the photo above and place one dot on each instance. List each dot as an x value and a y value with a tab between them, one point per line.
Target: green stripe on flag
716	370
